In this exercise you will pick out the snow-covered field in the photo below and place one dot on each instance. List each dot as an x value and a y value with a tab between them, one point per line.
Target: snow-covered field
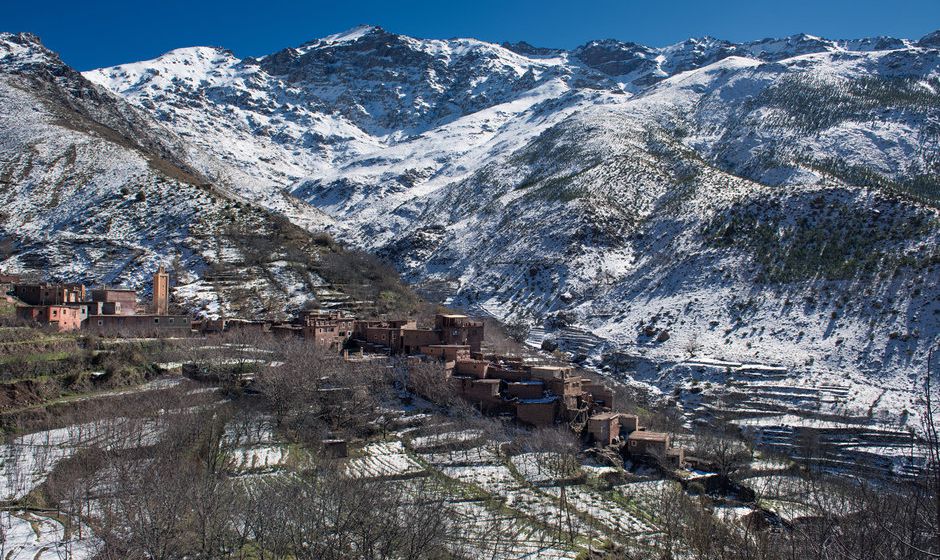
603	509
545	468
27	460
30	536
383	460
444	439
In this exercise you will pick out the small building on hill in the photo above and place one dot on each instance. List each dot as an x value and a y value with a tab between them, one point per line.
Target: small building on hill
538	412
113	301
49	294
604	428
327	329
404	337
655	445
140	325
61	317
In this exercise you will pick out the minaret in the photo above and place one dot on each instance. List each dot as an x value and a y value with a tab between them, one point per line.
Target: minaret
161	292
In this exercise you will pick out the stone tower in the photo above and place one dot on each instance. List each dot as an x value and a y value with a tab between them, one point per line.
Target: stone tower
161	292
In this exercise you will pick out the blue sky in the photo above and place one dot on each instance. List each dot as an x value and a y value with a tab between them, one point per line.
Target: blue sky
94	33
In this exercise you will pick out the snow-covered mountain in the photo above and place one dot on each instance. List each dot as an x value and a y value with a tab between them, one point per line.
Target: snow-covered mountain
92	189
771	201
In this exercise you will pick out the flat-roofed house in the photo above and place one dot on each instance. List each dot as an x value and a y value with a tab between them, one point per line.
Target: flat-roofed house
538	412
49	294
526	389
327	329
460	329
655	445
604	427
61	317
140	325
113	301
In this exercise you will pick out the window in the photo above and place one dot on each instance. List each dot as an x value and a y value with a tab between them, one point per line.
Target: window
100	322
156	319
171	319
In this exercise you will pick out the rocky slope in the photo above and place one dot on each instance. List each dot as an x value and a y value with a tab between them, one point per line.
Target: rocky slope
772	201
94	190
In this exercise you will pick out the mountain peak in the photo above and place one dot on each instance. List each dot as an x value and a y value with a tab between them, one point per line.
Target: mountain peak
527	49
20	49
352	35
931	40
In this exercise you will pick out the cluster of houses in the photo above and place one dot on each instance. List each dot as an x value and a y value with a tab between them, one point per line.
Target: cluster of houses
71	306
537	395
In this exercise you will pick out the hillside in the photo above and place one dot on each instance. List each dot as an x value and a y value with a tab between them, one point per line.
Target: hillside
95	190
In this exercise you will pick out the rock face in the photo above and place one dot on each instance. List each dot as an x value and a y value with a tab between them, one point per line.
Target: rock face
771	201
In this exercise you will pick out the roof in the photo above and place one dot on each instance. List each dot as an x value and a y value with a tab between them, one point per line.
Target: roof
114	290
606	416
70	305
543	400
453	316
642	435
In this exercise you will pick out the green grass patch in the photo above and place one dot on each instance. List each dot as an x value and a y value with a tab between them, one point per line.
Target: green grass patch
34	358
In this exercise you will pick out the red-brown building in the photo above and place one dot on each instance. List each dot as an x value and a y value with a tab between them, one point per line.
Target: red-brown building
49	294
61	317
655	445
327	329
140	325
405	336
604	427
382	333
481	392
113	301
529	389
471	367
447	352
539	412
460	329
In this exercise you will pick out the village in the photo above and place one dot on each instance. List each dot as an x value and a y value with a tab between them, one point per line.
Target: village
536	395
539	459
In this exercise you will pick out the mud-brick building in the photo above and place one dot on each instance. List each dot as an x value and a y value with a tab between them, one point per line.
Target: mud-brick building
328	330
49	294
113	301
140	325
654	445
60	317
404	337
386	334
604	428
525	389
460	329
538	412
480	392
451	354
